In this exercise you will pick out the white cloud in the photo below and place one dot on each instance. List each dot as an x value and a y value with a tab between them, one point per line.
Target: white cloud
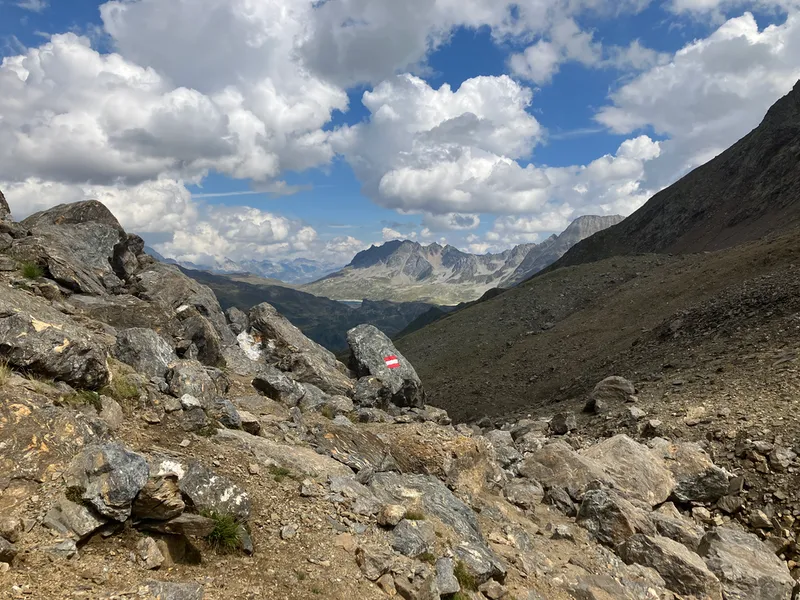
710	94
443	151
34	5
390	234
450	222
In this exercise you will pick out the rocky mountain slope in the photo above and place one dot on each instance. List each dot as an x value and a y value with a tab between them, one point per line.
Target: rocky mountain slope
406	271
324	321
746	192
153	448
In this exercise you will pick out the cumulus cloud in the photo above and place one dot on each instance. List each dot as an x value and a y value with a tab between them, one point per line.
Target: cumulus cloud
446	151
710	94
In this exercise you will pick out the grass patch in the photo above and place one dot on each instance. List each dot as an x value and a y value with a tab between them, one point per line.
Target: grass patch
414	514
301	576
207	431
428	557
225	537
316	591
5	372
84	398
328	412
38	379
465	579
120	388
279	473
31	270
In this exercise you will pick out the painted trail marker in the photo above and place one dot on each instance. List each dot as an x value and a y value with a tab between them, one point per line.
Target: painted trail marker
392	362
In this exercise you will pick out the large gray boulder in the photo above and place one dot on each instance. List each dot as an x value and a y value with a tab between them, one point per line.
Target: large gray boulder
72	520
5	211
436	501
146	351
82	246
275	384
37	338
747	568
168	287
697	478
208	491
683	571
638	473
374	354
190	377
288	349
611	518
108	478
558	465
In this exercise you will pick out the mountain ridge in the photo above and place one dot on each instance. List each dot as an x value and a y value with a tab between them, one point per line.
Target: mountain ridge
749	190
405	270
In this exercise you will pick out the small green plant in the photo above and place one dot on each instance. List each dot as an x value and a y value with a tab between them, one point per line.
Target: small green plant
5	372
225	536
120	388
279	473
207	431
328	412
84	398
465	579
428	557
30	270
38	379
316	591
414	514
301	576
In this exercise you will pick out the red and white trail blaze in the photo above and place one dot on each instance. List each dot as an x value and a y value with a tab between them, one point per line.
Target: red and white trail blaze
392	362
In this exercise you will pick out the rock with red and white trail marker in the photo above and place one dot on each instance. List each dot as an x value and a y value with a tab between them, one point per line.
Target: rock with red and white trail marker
374	355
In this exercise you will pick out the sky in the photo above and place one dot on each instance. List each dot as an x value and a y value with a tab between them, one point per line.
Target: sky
273	129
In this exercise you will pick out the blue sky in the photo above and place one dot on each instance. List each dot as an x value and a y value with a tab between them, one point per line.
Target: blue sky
339	117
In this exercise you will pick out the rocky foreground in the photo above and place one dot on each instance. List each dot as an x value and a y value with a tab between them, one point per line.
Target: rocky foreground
152	446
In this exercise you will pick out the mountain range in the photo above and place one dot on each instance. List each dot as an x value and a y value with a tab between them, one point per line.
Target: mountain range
408	271
290	271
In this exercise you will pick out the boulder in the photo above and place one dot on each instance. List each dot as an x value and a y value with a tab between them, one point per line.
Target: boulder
286	348
524	493
82	246
746	567
611	518
446	580
563	423
225	412
238	320
144	350
149	554
159	499
412	538
374	561
8	551
205	339
697	478
613	390
164	590
107	477
558	465
638	473
669	523
168	287
36	338
504	449
373	354
5	211
683	571
278	386
355	448
417	585
189	377
436	501
208	491
372	392
73	520
298	459
187	524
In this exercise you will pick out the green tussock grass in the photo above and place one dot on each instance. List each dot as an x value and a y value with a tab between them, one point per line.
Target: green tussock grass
414	514
301	576
224	539
83	398
328	412
5	372
465	578
30	270
428	557
279	473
